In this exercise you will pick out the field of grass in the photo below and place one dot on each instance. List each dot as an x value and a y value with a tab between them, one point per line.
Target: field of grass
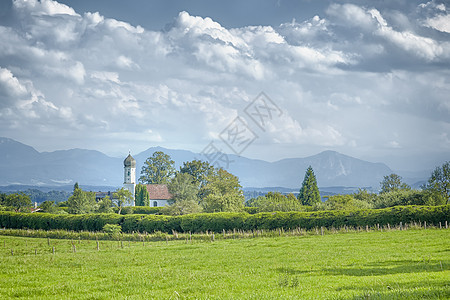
412	264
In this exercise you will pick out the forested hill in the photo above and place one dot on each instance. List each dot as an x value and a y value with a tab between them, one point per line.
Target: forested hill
22	164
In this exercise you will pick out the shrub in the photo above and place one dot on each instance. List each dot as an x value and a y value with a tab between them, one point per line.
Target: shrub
112	230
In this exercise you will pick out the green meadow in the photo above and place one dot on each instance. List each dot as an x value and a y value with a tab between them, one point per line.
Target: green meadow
411	264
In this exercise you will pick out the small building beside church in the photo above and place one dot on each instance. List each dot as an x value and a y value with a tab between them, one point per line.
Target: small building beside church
158	194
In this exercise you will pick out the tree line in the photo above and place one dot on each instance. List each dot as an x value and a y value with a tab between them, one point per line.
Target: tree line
394	192
199	187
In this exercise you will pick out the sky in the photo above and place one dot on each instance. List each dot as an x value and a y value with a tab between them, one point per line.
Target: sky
262	79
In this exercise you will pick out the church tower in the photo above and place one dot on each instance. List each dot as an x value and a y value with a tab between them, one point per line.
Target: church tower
129	176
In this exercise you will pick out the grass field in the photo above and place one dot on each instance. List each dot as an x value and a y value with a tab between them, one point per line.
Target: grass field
412	264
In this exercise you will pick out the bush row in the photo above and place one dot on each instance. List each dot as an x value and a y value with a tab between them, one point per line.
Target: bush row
228	221
143	210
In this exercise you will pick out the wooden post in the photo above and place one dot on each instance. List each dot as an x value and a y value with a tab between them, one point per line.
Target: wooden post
367	228
213	238
389	226
401	226
425	224
446	225
53	250
321	230
223	230
440	225
98	246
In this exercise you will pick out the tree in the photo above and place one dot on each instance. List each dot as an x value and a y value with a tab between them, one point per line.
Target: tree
18	201
182	187
199	170
184	193
104	206
275	201
48	206
222	192
182	207
365	196
122	197
309	192
141	197
157	169
392	183
81	202
439	182
345	202
2	199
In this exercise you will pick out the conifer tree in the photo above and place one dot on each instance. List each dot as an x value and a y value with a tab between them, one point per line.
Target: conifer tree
309	192
141	195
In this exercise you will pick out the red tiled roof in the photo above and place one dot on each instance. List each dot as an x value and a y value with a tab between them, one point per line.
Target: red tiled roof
158	192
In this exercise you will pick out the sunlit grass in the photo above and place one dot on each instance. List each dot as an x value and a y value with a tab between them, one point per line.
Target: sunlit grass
413	264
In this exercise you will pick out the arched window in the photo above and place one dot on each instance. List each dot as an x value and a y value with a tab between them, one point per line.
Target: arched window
155	203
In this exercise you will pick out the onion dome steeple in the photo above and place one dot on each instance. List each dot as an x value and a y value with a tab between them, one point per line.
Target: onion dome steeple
129	161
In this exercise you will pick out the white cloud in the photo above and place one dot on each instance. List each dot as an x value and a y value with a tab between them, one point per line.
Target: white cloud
43	7
441	23
341	78
350	14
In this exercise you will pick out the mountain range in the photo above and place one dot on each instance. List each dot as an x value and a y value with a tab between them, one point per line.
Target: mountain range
21	164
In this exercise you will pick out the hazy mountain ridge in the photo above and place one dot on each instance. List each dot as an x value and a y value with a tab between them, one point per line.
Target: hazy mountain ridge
22	164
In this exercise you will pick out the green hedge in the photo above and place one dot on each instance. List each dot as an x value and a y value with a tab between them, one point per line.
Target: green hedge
141	210
45	221
228	221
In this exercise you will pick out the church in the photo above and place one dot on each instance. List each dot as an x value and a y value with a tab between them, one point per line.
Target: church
158	193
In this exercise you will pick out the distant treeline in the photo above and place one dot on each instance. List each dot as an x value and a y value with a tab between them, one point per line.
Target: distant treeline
40	196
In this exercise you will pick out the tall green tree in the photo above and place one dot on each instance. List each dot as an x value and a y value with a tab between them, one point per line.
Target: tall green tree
17	200
199	170
122	197
223	192
439	182
393	183
182	187
157	169
184	191
81	202
309	192
141	197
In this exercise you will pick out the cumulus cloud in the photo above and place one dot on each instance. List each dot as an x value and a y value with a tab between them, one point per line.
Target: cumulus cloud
84	77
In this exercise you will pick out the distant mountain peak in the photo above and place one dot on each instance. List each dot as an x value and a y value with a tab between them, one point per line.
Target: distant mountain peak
22	163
